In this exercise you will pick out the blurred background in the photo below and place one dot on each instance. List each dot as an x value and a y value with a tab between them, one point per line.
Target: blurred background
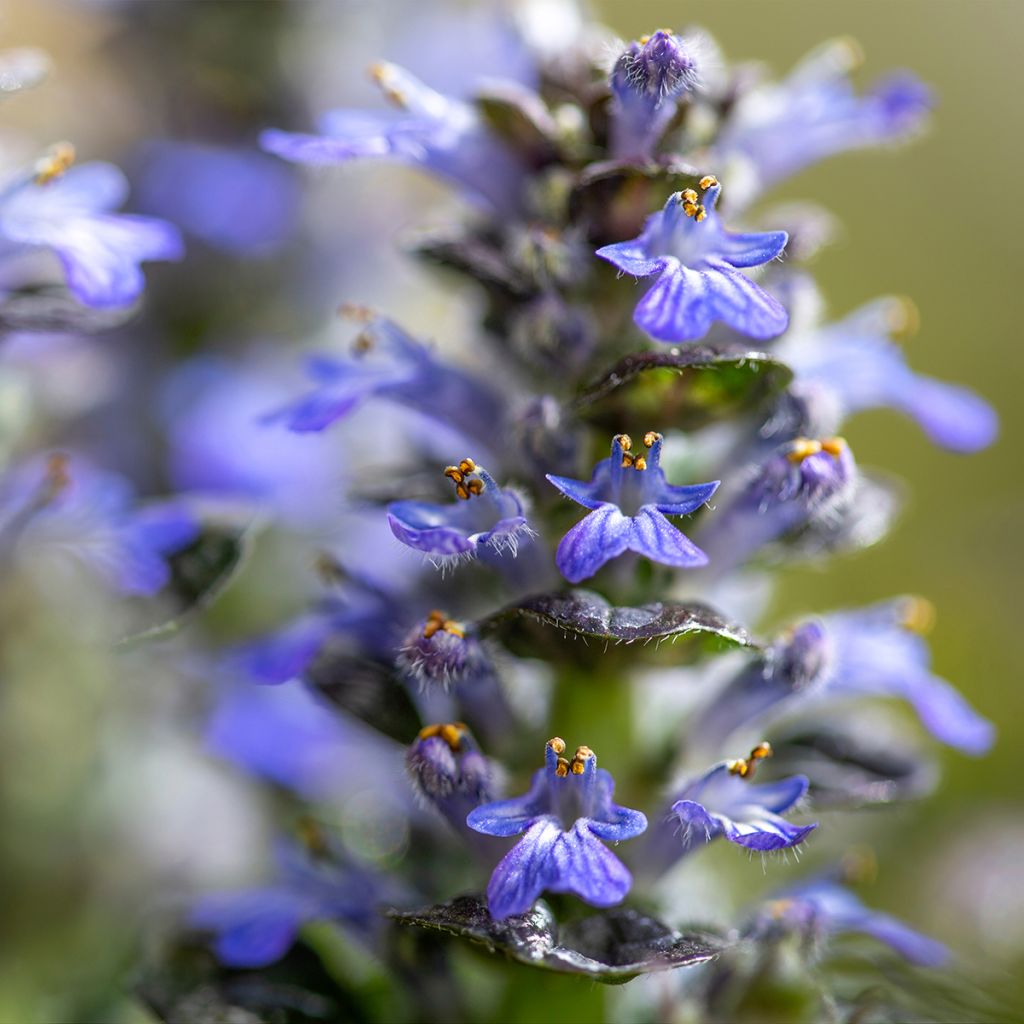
937	221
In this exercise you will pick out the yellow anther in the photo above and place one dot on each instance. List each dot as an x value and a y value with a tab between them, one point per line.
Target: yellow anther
578	767
454	628
835	446
627	460
476	485
354	311
688	195
462	492
851	50
362	343
708	181
452	734
55	163
378	71
467	466
625	441
778	908
644	40
58	475
745	767
453	473
640	462
557	744
690	209
700	215
802	448
582	753
651	438
562	768
918	615
430	627
904	318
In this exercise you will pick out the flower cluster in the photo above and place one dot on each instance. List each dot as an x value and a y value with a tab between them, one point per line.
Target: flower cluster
365	694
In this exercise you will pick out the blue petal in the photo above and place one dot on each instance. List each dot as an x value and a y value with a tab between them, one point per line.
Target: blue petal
697	822
370	141
598	537
750	250
591	494
548	859
608	820
946	715
512	817
779	796
653	536
286	653
915	947
420	526
684	303
953	417
764	831
681	501
254	927
632	257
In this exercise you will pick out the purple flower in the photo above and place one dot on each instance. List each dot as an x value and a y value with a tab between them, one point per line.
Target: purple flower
853	364
562	820
449	772
802	481
825	907
68	211
876	651
233	199
61	507
485	520
387	363
256	926
696	261
442	134
724	802
648	79
815	113
629	498
438	650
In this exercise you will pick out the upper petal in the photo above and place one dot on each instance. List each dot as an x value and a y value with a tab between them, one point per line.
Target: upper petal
681	501
750	249
632	257
511	817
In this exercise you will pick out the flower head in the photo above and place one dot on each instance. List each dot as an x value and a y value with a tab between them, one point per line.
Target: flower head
724	802
449	772
816	113
562	820
62	507
855	364
485	520
441	134
648	79
439	650
697	262
824	907
67	209
629	499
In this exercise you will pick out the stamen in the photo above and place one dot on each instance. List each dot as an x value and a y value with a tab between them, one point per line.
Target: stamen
465	488
745	767
802	448
835	446
55	163
625	441
328	568
627	460
562	768
777	909
917	615
688	195
700	214
381	75
904	318
58	477
651	438
354	311
467	466
452	733
557	744
640	462
708	181
362	343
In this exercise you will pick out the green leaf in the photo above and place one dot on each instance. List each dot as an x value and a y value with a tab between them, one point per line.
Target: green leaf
612	946
586	614
685	387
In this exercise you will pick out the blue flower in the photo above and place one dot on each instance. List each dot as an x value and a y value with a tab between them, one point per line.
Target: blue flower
486	520
696	261
387	363
439	650
724	802
562	820
62	507
449	772
68	211
825	907
629	497
648	79
876	651
442	134
853	364
815	113
256	926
